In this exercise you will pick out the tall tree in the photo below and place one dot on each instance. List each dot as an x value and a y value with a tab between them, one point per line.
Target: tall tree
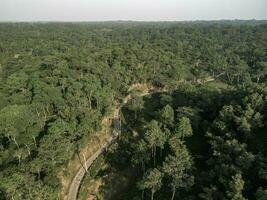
136	104
178	169
166	116
236	187
154	138
152	180
183	128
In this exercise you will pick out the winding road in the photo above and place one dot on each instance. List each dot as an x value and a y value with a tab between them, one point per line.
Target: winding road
76	182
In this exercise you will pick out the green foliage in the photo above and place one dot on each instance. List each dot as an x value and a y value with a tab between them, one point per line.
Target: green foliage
58	81
236	186
166	116
183	128
178	167
152	181
261	194
230	160
136	105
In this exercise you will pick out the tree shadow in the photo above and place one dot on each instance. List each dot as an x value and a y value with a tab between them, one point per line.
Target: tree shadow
208	102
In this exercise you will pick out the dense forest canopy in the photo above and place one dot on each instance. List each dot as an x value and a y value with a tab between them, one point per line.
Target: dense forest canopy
197	140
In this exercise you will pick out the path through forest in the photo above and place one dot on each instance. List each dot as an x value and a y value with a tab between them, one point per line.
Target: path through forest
76	182
144	90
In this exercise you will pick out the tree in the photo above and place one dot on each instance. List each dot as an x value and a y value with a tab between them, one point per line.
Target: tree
178	169
235	188
151	180
165	99
261	194
166	116
209	193
136	104
183	128
260	70
141	154
154	138
58	81
230	156
190	113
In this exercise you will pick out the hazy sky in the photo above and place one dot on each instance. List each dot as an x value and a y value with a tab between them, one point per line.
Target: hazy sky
146	10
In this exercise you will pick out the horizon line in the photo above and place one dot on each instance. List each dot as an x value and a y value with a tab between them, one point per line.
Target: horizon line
101	21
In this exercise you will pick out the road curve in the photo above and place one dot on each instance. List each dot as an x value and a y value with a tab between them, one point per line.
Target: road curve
75	185
76	182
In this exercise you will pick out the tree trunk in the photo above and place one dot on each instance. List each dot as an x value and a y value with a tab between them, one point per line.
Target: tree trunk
143	166
14	139
34	140
19	156
154	156
28	149
85	165
173	192
39	174
228	77
258	79
143	194
152	194
90	104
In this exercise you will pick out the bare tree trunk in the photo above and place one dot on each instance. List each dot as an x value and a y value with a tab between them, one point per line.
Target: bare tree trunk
228	77
39	174
14	139
258	79
152	194
85	165
28	149
173	192
9	137
45	115
47	109
19	156
154	156
90	104
143	166
143	194
81	74
34	140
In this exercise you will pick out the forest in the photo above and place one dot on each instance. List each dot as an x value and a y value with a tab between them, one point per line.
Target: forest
201	134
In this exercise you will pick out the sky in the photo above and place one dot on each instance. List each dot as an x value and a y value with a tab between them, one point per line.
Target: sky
137	10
